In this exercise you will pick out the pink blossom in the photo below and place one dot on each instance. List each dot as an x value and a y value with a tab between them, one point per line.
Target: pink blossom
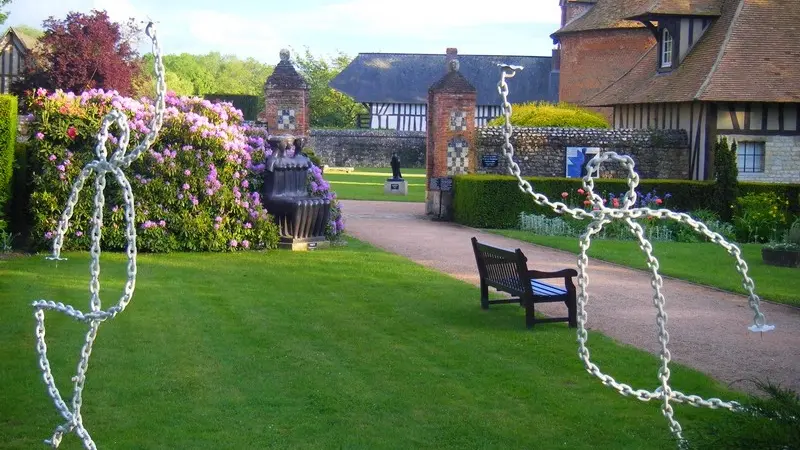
233	243
79	233
185	186
40	136
187	172
246	244
52	157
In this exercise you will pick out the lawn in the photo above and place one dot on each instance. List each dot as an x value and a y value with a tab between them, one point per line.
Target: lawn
366	183
703	263
349	347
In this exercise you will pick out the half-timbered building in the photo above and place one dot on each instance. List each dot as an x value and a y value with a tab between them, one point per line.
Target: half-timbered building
718	68
15	49
394	86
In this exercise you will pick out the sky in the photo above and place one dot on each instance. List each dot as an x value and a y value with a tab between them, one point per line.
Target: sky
260	28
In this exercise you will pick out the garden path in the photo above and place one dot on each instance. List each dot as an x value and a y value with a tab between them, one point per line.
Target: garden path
708	327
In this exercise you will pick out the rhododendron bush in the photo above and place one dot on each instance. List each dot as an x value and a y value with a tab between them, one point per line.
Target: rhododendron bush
196	189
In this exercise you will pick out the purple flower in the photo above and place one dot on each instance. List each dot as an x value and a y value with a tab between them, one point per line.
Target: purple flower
79	233
246	244
248	225
187	172
233	243
48	235
185	186
162	223
52	157
218	219
195	201
61	168
40	136
216	226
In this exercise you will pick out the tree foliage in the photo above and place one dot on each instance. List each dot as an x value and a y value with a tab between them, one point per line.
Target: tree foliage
726	172
328	107
3	14
81	52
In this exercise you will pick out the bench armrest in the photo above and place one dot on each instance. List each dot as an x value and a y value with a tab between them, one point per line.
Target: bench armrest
565	273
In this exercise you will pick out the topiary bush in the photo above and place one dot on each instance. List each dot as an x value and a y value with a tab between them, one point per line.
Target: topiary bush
194	188
8	139
562	115
726	187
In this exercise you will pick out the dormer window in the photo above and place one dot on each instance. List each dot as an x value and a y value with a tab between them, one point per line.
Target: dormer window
666	49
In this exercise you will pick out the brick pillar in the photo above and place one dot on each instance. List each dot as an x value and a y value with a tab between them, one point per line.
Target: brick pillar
286	100
451	136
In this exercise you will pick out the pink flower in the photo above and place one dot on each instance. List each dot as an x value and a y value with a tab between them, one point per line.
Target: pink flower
615	203
233	243
185	186
246	244
52	157
162	223
581	191
79	233
564	195
48	235
40	136
248	225
587	202
187	172
218	219
72	133
659	201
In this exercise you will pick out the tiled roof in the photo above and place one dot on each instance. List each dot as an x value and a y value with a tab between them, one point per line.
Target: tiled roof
453	81
679	7
749	53
285	76
604	15
28	41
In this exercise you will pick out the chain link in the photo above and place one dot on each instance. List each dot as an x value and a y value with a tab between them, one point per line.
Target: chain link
100	167
601	216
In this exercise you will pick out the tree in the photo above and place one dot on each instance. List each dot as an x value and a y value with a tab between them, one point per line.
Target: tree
83	52
3	14
329	108
726	172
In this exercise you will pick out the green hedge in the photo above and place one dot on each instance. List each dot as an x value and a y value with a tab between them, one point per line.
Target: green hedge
495	201
8	139
552	115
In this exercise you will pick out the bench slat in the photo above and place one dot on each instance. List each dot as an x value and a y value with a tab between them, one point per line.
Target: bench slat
540	288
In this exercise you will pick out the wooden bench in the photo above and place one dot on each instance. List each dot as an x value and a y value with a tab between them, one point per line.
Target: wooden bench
507	271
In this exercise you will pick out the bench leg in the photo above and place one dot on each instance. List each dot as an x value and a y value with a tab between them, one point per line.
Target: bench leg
530	315
572	309
484	295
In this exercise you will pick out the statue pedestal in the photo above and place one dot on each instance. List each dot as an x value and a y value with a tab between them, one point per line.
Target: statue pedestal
303	244
395	187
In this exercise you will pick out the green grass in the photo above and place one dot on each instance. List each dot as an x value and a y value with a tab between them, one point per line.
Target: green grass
365	183
703	263
343	348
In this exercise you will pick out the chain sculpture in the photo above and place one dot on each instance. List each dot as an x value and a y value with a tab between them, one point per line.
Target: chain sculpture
100	167
600	216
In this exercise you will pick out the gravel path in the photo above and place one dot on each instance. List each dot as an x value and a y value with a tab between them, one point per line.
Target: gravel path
708	328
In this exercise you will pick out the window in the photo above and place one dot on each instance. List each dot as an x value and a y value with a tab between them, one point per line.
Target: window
750	157
666	49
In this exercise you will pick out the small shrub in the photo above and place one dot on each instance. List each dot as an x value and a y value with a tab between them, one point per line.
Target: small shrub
684	233
546	226
760	217
562	115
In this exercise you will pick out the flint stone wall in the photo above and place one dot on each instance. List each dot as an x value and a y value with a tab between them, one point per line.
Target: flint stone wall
368	148
542	152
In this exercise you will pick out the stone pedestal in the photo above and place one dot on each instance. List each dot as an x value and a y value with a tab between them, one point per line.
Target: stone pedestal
303	244
395	187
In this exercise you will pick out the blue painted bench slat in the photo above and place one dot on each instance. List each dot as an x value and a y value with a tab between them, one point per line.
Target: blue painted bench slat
507	271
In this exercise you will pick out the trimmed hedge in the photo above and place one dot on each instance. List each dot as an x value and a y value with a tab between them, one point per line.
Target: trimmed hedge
8	139
552	115
495	201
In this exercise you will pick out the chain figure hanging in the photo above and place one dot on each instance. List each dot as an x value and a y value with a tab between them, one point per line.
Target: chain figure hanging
600	216
100	167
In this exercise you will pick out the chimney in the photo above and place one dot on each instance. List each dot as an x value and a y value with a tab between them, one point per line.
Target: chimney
452	53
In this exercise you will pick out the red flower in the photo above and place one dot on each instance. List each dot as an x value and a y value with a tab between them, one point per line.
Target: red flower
615	202
72	133
659	201
564	195
587	202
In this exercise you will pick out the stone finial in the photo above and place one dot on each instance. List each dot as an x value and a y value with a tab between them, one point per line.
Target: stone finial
285	54
453	65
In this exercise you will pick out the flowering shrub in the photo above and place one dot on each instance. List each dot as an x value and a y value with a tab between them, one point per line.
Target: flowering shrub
318	187
760	217
192	187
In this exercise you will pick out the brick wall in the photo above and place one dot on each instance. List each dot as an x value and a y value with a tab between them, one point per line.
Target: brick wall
592	60
440	133
278	100
542	152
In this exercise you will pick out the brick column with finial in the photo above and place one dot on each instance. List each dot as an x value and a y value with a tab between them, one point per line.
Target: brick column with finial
286	100
451	137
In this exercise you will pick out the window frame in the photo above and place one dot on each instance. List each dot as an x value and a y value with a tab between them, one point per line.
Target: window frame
751	151
663	50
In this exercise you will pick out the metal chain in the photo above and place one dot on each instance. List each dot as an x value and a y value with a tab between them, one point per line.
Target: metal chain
100	167
599	217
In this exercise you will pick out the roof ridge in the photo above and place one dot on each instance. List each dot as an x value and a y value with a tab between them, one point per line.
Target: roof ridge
722	49
456	56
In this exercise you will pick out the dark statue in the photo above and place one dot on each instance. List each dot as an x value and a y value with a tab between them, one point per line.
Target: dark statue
396	175
300	217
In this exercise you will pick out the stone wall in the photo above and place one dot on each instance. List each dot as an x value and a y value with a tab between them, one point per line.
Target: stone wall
543	151
368	148
781	158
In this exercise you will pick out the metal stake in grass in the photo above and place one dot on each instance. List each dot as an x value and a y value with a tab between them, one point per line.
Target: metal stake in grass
600	216
101	166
